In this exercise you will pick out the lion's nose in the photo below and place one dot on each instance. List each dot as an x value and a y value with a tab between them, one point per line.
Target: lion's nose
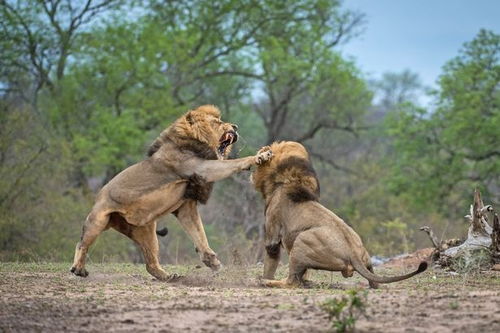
235	127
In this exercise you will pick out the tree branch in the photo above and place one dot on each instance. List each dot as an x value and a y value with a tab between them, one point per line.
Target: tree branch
330	162
484	156
435	242
332	125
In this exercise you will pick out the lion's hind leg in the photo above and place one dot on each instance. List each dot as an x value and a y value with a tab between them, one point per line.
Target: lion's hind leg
93	226
145	237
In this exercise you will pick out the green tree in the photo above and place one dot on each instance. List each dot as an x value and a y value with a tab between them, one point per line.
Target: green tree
100	84
442	155
37	39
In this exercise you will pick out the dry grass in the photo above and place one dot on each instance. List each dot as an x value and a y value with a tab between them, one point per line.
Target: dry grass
45	296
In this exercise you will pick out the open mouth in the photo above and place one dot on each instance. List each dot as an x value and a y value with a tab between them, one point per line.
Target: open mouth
226	140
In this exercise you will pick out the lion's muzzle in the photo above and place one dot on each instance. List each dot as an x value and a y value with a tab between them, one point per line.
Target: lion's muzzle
227	139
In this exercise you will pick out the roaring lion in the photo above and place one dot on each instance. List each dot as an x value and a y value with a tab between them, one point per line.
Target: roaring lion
181	166
313	236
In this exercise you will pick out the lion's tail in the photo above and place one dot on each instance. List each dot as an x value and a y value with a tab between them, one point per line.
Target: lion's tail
361	269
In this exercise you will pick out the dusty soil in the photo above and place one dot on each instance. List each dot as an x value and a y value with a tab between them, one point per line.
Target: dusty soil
121	297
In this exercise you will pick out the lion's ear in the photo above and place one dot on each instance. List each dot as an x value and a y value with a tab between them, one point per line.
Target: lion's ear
189	118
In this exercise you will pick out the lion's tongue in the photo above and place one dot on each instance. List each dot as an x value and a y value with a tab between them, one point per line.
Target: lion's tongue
227	137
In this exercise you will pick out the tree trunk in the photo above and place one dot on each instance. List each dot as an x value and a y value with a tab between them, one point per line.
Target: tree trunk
495	240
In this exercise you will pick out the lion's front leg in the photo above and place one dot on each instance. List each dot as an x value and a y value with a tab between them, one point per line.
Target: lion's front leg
190	220
214	170
271	261
272	242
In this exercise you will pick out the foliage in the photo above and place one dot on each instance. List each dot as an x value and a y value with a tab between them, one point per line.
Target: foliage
85	86
41	213
441	155
344	312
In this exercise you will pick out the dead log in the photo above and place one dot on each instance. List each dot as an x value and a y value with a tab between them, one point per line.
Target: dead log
482	245
439	246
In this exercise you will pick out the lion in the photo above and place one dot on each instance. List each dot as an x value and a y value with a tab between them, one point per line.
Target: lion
314	237
178	173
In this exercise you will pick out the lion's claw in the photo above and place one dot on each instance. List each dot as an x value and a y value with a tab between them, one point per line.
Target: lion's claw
210	260
264	149
79	271
263	156
174	277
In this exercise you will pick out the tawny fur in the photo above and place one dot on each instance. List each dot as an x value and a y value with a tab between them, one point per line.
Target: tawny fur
314	237
181	166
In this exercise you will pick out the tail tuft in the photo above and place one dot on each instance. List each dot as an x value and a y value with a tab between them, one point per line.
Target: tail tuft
162	232
422	267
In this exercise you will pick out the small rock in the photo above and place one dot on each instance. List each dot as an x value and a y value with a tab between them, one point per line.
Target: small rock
496	267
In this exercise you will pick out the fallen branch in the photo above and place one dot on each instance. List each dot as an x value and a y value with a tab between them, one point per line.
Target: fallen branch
434	241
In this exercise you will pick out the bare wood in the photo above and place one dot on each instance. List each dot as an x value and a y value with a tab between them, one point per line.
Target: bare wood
428	231
478	205
495	239
479	234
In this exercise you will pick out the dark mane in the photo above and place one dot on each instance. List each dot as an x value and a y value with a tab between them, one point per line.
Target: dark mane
155	146
302	171
197	187
302	194
198	148
295	162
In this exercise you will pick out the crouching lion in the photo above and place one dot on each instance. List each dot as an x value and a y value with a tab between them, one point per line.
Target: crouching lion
181	166
313	236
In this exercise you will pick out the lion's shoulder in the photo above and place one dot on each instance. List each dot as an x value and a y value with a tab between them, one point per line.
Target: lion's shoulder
138	180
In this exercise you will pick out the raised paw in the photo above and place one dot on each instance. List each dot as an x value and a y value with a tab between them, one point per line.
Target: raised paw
263	156
264	149
210	259
79	271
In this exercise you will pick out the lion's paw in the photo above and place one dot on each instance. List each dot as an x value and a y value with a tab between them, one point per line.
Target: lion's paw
263	156
210	260
79	271
173	277
264	149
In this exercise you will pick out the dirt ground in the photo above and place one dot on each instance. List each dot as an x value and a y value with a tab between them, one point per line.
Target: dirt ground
123	297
